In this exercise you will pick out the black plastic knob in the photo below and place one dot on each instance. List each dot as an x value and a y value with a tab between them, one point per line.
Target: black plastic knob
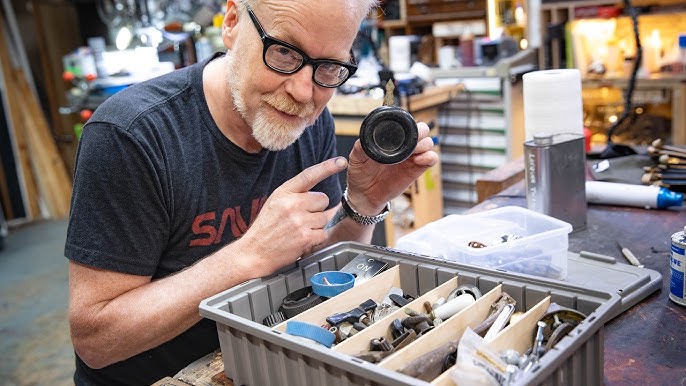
388	134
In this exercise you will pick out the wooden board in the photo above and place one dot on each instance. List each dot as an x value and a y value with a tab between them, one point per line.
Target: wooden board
37	149
54	183
49	17
375	288
360	341
17	131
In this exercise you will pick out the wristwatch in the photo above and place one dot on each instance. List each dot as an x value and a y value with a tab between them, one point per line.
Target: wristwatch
360	218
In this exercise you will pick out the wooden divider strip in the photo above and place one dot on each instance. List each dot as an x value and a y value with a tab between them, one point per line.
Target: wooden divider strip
517	336
451	329
360	341
375	288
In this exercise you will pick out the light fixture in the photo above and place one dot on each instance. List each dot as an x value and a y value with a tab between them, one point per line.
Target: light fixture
124	38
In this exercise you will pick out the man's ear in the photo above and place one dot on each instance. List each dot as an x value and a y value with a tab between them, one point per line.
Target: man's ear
230	24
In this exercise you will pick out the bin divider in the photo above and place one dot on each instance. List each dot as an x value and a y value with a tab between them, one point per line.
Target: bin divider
517	336
375	288
450	329
360	341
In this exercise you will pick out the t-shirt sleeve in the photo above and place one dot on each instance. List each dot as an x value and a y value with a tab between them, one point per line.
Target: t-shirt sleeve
118	220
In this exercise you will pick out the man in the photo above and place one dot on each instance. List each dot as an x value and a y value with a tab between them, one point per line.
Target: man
220	172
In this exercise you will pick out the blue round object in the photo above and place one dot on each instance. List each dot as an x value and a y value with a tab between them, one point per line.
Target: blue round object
310	331
337	282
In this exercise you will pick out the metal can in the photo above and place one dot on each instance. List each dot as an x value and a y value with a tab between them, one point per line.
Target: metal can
677	263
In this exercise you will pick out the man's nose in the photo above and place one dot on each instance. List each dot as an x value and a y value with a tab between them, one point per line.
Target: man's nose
301	85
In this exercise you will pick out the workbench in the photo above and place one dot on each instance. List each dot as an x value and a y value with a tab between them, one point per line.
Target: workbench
425	196
643	345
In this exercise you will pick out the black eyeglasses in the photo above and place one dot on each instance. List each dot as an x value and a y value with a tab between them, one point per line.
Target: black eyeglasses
286	58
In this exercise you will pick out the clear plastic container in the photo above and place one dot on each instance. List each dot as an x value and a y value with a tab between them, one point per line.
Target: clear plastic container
537	244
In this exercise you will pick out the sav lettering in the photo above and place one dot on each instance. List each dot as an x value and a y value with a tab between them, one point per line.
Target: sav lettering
210	231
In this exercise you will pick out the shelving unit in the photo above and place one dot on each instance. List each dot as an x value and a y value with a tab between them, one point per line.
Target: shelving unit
481	130
418	17
654	92
665	16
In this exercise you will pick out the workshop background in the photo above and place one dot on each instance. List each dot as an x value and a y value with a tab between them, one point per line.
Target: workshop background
62	58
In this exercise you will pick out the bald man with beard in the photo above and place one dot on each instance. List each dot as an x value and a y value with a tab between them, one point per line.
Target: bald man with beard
224	171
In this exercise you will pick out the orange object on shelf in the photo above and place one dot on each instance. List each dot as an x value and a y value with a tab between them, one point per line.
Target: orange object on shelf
86	114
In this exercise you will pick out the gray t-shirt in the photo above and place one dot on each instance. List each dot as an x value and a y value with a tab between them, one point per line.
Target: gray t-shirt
157	187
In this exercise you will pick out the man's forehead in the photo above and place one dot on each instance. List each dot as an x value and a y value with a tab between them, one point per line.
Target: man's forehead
310	25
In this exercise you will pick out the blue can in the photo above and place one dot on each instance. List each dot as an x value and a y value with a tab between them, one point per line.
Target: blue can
677	263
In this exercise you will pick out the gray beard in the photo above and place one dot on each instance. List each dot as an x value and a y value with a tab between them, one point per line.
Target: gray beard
273	136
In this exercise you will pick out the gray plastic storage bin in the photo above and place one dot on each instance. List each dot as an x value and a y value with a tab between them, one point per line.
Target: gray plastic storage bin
256	355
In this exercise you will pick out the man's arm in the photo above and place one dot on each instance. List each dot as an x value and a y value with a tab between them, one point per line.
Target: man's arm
114	316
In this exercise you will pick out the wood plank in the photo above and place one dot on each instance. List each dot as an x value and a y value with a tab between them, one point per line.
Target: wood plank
5	203
499	178
359	105
516	336
432	97
519	336
53	180
375	288
206	371
360	341
49	17
169	381
17	129
202	373
451	329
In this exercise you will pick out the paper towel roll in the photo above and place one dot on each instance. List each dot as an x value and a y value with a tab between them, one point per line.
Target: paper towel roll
552	102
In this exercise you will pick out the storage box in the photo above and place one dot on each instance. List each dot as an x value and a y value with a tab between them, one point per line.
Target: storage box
254	354
541	249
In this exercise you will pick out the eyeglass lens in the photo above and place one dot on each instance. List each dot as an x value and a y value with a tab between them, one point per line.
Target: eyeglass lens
285	59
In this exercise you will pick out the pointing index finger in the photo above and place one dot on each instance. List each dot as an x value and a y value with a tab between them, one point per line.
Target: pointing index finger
313	175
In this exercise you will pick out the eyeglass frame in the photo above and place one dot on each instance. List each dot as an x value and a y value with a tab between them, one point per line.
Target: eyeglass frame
268	41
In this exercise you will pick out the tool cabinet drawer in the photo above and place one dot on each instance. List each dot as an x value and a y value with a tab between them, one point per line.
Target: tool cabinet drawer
255	354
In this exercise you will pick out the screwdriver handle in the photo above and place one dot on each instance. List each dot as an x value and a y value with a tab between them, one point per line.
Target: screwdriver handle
632	259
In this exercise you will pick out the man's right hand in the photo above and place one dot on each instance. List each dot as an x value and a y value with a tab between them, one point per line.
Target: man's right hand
291	222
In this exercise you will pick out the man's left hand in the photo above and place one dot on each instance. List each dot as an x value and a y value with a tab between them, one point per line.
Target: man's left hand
371	184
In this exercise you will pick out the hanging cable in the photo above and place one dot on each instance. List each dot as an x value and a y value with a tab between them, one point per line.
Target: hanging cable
612	149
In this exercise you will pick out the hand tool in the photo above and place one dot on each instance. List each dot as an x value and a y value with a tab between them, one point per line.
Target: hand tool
658	144
666	159
629	256
500	322
647	178
353	316
659	152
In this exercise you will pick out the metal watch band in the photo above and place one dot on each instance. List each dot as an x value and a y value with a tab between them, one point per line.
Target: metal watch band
360	218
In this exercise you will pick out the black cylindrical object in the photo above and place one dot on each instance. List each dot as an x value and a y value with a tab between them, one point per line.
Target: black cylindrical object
388	134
